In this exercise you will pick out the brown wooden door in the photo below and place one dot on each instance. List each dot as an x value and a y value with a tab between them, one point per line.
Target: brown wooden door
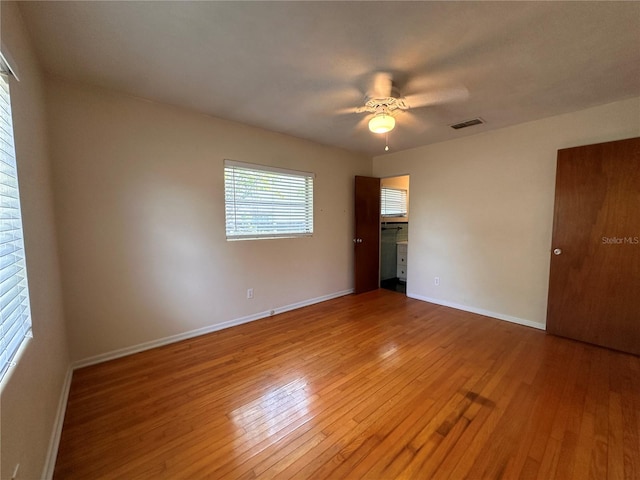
367	235
594	284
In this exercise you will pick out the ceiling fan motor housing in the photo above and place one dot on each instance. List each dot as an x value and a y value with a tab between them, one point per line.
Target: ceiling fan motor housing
383	105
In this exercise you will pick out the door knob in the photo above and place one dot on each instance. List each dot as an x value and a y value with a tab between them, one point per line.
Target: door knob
557	251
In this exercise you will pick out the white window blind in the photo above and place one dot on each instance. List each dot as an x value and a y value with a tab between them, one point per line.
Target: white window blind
15	316
393	202
267	202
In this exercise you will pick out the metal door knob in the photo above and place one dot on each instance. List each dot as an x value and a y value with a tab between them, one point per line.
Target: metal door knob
557	251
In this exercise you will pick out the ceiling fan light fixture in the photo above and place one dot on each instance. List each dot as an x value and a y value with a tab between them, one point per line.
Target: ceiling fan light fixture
382	123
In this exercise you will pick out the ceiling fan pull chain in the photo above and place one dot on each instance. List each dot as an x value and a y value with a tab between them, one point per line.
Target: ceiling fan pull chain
386	142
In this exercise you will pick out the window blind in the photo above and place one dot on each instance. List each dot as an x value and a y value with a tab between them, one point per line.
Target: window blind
267	202
393	202
15	316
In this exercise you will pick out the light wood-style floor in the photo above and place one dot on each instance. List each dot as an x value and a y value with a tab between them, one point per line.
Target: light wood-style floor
375	386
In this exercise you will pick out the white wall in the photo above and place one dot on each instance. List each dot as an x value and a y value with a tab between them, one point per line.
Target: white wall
482	210
31	396
140	209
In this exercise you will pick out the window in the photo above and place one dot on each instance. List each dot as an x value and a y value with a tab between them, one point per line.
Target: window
15	316
393	202
267	202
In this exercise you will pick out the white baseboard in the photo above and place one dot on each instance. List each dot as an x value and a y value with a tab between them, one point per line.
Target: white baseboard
54	443
202	331
480	311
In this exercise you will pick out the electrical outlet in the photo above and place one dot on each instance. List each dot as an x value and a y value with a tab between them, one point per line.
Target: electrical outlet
436	281
249	292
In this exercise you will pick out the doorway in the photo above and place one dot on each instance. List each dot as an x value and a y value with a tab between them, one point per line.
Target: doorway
394	233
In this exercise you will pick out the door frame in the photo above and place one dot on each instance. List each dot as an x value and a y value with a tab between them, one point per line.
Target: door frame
405	220
358	288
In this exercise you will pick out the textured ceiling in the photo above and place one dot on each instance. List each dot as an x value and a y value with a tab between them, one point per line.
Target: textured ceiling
293	67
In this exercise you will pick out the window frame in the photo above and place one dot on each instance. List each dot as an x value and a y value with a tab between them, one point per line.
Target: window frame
301	206
15	329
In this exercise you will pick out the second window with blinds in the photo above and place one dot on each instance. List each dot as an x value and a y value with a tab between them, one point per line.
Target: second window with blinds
393	202
267	202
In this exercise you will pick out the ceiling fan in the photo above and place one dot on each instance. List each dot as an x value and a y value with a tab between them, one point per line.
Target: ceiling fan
384	101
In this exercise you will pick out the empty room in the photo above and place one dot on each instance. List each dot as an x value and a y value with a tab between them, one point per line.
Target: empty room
319	240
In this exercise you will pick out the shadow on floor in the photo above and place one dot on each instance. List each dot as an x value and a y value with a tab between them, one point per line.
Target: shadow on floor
394	284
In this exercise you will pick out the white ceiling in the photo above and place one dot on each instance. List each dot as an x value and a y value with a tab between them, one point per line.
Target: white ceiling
291	67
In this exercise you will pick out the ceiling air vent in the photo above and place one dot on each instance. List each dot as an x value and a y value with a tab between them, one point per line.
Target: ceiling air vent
468	123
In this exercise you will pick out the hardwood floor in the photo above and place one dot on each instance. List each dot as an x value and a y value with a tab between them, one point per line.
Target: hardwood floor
375	386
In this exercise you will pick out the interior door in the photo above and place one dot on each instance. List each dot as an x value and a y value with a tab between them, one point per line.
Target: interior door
367	234
594	285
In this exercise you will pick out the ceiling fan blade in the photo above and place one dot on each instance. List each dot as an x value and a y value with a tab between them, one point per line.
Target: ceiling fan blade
346	111
410	120
437	97
381	85
413	122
